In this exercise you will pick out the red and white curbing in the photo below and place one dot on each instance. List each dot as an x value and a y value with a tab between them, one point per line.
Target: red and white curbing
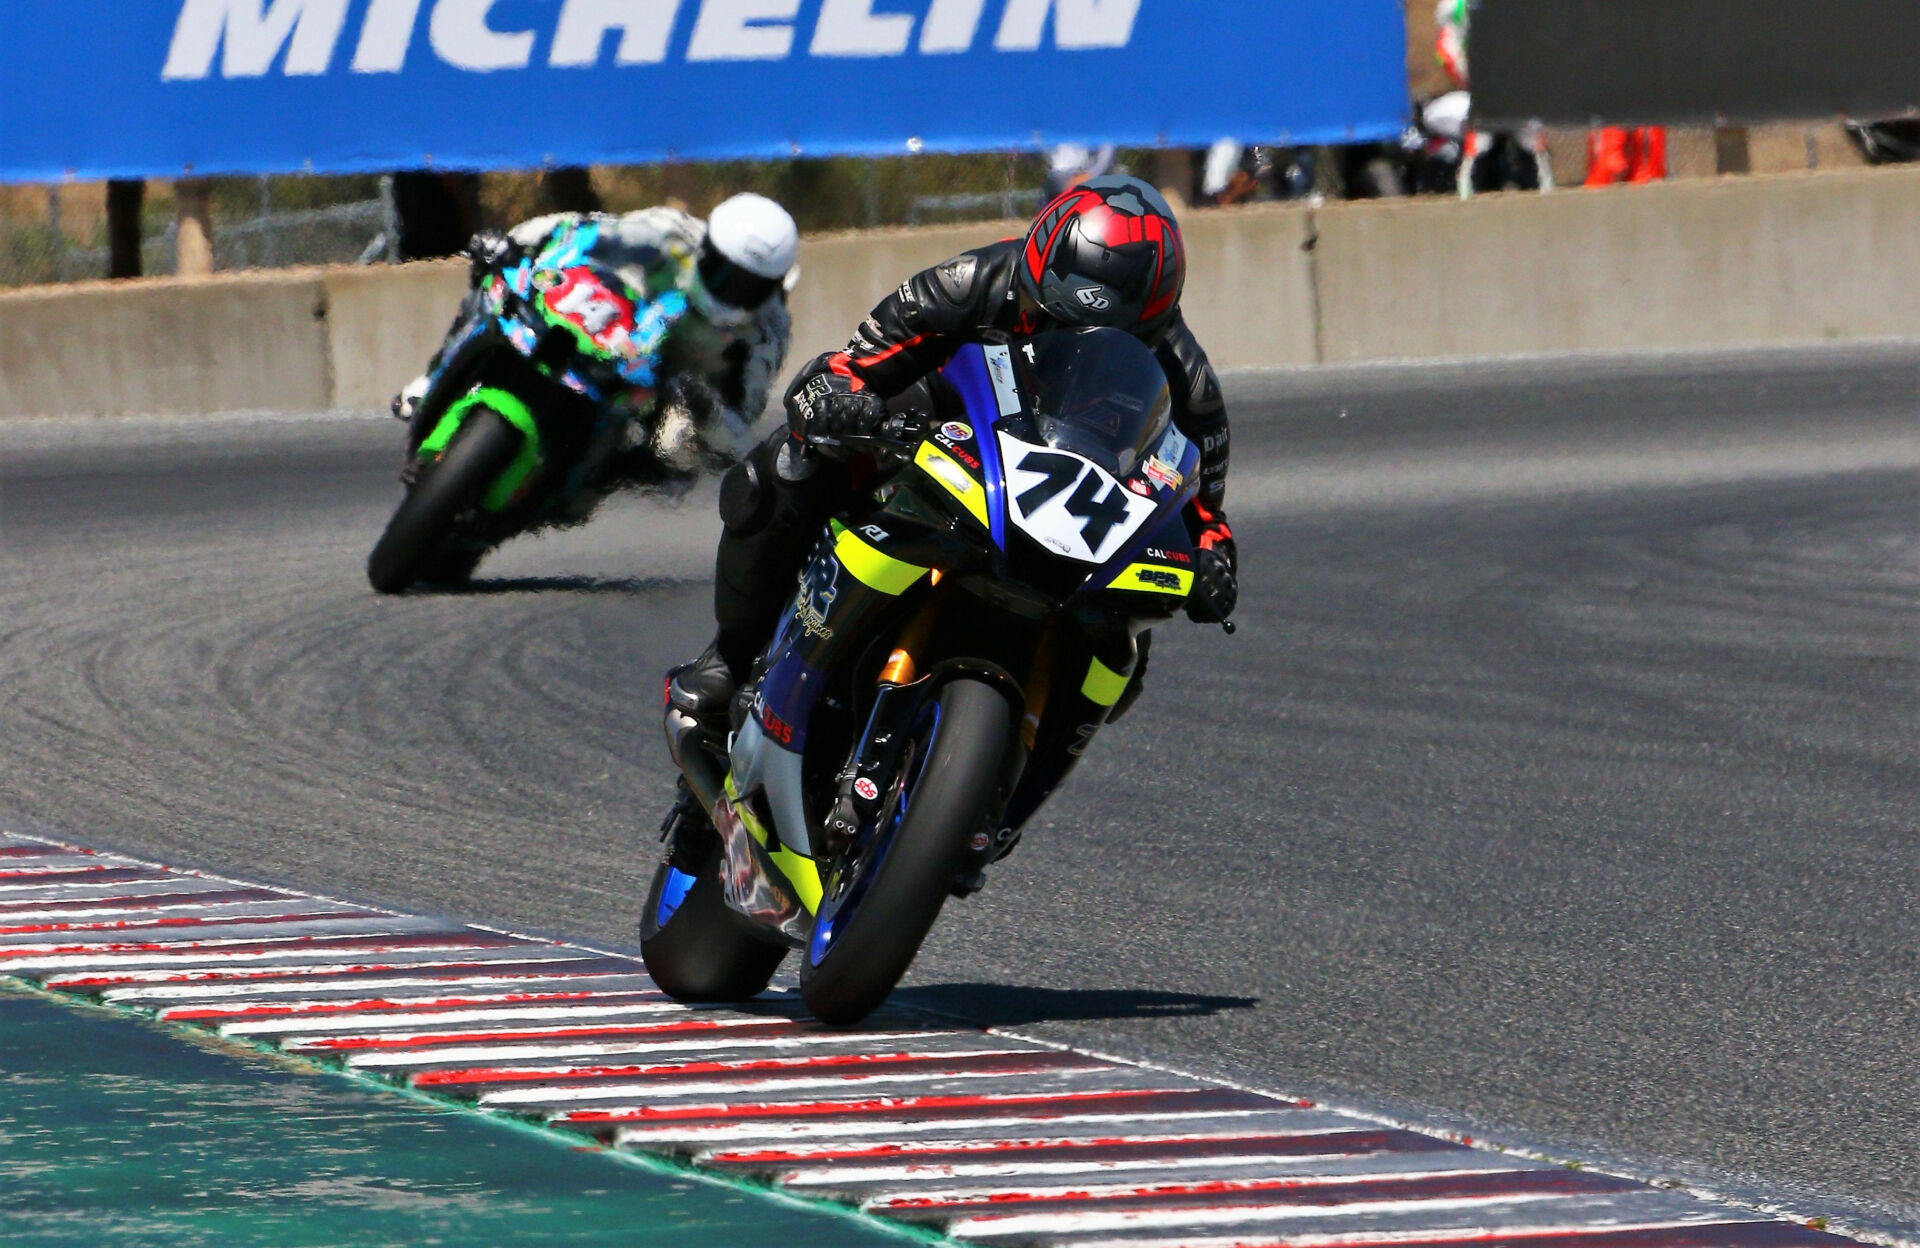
988	1138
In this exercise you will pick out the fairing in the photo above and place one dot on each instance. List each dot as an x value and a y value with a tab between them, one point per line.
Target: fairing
974	503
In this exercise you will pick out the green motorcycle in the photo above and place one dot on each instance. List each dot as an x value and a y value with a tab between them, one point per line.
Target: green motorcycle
545	400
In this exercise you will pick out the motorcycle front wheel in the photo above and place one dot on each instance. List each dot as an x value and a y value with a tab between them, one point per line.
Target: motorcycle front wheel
882	900
483	449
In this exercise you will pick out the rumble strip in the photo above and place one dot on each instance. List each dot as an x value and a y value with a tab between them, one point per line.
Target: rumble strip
989	1138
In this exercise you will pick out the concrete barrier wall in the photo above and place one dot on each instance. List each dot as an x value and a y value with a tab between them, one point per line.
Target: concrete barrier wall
1250	286
1681	265
843	275
1250	299
216	345
1684	264
383	325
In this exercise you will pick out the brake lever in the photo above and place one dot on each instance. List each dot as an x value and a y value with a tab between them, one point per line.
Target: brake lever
1229	627
909	427
896	438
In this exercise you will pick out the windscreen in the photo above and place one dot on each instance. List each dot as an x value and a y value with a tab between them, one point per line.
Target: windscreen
1098	393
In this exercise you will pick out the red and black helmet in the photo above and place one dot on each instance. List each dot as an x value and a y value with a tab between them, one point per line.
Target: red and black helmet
1108	253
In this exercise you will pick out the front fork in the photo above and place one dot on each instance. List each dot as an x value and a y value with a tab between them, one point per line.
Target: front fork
903	692
1074	686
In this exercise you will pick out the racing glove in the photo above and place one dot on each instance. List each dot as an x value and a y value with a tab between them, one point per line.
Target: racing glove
693	394
1216	590
827	406
489	250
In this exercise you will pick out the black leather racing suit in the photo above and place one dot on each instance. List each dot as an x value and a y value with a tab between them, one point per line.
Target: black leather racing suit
773	512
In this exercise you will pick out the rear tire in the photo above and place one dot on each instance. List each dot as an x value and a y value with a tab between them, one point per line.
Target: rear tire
450	565
703	953
959	782
483	448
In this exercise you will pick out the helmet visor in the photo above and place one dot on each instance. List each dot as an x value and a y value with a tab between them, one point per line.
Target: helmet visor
732	285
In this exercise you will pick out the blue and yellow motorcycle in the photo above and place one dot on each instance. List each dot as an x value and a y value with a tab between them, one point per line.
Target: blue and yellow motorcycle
951	652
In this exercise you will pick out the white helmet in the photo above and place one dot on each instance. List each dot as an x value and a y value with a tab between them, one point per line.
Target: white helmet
749	252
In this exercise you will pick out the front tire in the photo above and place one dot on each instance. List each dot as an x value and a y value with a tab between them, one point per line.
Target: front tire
483	449
872	947
701	953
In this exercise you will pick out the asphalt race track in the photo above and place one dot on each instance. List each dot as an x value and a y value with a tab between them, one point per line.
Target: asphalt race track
1561	783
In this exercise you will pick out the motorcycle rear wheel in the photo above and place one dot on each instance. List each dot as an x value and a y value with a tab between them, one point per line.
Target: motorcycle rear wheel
703	953
876	943
483	448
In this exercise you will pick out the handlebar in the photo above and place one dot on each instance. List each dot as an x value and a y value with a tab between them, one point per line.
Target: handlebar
894	440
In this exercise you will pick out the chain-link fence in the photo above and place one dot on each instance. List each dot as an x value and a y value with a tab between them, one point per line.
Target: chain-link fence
59	234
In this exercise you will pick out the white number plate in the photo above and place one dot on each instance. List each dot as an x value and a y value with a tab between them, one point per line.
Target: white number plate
1069	504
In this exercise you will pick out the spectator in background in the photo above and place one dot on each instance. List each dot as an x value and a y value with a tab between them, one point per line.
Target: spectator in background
1070	164
1617	154
1488	162
1225	179
438	211
1452	44
1233	173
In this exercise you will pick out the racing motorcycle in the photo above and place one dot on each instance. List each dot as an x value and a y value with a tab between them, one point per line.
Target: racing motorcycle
545	401
953	648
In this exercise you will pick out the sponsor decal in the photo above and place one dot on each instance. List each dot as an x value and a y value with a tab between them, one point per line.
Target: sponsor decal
547	279
956	275
779	729
865	789
1157	579
1167	478
1000	369
1173	447
959	454
950	475
607	317
957	431
1094	297
946	441
805	402
818	591
1170	556
1139	487
309	38
874	532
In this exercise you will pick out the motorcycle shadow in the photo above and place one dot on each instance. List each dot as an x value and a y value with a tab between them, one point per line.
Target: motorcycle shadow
1010	1005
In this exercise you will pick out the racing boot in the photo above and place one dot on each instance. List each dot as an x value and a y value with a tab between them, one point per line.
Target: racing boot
704	689
407	402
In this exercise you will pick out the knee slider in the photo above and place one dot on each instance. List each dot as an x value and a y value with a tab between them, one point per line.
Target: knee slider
746	504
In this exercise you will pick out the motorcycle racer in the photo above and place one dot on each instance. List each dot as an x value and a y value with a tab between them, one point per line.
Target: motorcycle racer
719	361
1106	253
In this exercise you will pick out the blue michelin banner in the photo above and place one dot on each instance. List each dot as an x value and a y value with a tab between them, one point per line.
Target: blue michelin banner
158	88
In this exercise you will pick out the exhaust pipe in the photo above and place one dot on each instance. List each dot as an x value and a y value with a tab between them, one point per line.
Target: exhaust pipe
706	774
753	886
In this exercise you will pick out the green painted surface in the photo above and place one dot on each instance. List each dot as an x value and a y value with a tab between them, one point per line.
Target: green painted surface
118	1130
